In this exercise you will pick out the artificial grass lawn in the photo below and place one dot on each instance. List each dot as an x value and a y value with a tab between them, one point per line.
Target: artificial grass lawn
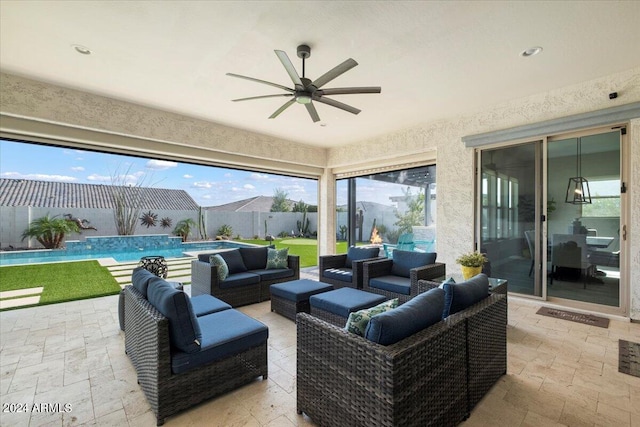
306	249
65	281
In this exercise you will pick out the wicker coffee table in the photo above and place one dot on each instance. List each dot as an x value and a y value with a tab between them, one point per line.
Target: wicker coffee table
290	298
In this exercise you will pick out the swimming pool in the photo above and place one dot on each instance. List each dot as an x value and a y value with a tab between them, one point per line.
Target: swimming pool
122	253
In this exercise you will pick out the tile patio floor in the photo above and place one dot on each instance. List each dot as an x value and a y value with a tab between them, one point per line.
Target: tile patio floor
559	373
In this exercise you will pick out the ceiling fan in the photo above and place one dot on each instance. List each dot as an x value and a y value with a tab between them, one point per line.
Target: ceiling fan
306	91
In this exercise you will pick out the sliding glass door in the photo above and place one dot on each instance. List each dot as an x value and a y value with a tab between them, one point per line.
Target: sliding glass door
549	215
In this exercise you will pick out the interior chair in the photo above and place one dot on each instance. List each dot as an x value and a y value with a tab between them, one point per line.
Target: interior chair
345	270
570	251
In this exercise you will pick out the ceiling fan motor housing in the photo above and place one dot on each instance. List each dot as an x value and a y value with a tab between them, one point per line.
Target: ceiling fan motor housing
304	51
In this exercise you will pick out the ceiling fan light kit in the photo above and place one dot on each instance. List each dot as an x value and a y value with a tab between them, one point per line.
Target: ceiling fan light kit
305	91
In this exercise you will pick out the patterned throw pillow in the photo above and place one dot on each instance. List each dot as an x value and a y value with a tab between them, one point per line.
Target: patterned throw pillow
358	320
277	258
223	269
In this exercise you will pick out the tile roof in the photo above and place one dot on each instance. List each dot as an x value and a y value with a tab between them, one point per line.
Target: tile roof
252	204
45	194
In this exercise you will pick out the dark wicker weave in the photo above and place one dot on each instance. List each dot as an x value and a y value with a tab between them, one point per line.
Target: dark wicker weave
327	262
383	267
288	308
147	345
486	344
346	380
204	280
328	316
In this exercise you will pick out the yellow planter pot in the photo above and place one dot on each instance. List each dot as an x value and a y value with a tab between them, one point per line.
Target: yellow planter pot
469	272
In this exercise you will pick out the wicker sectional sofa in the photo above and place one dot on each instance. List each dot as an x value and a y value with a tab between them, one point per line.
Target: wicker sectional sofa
249	279
433	377
179	351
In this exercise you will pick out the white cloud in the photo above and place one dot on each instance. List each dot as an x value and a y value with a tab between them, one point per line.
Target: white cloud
77	168
248	187
228	175
38	176
206	196
202	184
99	178
259	176
187	176
160	164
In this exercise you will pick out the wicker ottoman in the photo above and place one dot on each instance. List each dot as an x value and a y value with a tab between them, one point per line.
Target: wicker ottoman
292	297
335	306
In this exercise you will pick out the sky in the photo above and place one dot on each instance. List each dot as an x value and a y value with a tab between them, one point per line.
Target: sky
207	185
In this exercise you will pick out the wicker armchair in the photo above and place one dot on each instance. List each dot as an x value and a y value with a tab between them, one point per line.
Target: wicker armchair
342	270
346	380
383	267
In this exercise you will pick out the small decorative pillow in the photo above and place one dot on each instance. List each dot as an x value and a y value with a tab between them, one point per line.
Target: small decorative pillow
223	269
358	320
277	258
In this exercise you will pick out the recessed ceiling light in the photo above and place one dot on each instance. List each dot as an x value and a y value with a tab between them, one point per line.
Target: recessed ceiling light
531	51
81	49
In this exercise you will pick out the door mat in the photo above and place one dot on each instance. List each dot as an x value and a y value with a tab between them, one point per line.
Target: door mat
629	358
588	319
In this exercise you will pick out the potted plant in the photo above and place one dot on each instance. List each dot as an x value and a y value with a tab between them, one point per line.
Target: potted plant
471	263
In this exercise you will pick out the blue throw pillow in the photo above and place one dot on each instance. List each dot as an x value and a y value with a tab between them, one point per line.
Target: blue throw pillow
223	269
234	261
184	330
355	254
277	258
403	261
447	296
413	316
459	296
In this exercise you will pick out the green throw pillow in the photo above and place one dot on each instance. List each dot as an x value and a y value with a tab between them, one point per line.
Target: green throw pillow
223	268
277	258
358	320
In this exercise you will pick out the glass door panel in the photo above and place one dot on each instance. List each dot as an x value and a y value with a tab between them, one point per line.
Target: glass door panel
583	230
509	220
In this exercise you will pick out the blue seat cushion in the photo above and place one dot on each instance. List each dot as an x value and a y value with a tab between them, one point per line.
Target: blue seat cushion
254	258
413	316
239	279
234	261
140	279
274	274
345	300
341	274
175	305
403	261
397	284
355	253
207	304
459	296
299	290
225	333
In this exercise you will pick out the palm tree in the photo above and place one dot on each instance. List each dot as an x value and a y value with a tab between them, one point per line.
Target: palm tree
50	231
183	228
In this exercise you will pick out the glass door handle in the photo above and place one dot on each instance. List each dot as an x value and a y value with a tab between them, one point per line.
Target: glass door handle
624	232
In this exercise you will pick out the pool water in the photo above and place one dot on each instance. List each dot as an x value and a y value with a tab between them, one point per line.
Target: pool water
124	255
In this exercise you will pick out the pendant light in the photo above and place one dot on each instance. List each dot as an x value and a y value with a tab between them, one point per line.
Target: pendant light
578	188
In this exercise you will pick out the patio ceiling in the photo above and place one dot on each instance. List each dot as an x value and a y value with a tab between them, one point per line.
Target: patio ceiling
433	60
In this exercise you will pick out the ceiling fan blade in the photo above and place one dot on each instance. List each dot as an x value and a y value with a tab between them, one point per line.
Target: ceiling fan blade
336	104
350	90
334	72
281	109
295	78
312	112
263	96
261	81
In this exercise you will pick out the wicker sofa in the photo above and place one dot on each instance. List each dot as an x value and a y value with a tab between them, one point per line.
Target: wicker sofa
183	357
433	377
249	278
